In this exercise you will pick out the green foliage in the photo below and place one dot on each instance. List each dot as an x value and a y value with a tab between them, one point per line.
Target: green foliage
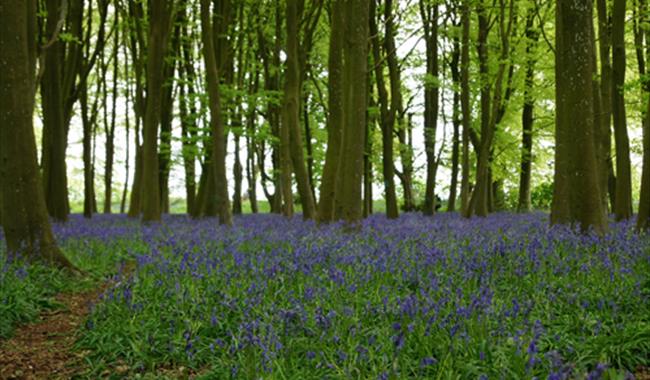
541	196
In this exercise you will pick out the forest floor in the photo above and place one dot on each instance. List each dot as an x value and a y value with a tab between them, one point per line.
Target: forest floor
45	348
278	298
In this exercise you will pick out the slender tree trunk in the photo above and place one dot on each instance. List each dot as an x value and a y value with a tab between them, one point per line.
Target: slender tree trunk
454	66
127	132
138	48
189	147
54	131
643	56
576	196
87	122
347	203
251	142
367	162
429	15
237	175
26	225
291	114
527	118
218	164
335	118
607	180
465	108
159	29
309	147
387	119
110	131
643	218
623	206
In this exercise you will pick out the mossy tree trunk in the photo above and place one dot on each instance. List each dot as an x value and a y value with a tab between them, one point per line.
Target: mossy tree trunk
347	202
218	162
25	220
159	30
576	193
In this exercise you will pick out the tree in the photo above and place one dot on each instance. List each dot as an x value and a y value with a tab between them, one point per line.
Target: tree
429	15
335	119
465	108
606	179
623	205
347	203
576	193
491	101
26	225
454	66
110	129
643	218
159	30
290	127
218	162
527	116
387	117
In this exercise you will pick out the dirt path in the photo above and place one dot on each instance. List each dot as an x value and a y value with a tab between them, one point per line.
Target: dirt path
44	349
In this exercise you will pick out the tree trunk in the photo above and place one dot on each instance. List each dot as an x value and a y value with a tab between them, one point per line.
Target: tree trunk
237	172
367	154
576	197
218	164
188	117
137	47
387	119
291	115
347	203
429	15
26	225
159	29
127	128
623	206
643	218
465	108
54	131
527	118
166	120
335	118
492	108
309	149
110	130
454	66
88	121
606	170
251	141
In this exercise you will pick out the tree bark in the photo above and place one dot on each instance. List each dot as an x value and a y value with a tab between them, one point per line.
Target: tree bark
110	130
623	206
429	15
454	66
159	30
54	141
465	108
643	218
138	52
167	117
291	114
335	118
26	224
387	119
607	180
576	195
527	117
347	203
218	164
